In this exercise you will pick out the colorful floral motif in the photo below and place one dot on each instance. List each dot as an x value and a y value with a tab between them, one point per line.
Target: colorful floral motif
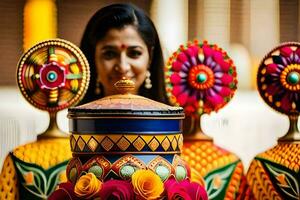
278	78
200	77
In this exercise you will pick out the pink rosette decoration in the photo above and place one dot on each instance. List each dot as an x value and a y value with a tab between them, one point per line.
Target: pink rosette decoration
184	190
201	78
117	189
278	78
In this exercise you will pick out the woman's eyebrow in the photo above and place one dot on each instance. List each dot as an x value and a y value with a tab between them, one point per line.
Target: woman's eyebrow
135	46
108	47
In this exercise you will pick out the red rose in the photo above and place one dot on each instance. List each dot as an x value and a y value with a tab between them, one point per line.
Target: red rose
64	192
117	189
184	190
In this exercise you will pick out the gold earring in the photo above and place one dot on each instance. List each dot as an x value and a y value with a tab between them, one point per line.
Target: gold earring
98	88
148	84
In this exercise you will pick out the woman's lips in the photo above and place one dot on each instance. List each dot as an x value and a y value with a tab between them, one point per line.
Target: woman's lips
119	77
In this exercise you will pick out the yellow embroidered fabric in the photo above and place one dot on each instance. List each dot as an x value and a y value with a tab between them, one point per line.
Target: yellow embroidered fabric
205	157
8	181
45	153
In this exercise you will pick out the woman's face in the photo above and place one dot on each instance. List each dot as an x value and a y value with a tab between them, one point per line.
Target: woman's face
121	53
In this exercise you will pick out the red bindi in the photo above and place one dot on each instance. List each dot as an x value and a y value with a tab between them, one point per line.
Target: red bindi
123	46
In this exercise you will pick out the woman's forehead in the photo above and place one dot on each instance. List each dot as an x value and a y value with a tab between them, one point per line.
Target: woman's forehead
125	37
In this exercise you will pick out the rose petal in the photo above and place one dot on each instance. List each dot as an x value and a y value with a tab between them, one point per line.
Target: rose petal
147	184
271	68
225	66
182	57
182	98
195	49
177	89
225	91
286	51
272	89
285	103
176	66
189	52
226	79
176	190
207	50
218	57
117	189
175	79
65	191
215	100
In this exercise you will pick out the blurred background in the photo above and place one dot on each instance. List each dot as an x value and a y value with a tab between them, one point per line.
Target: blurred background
246	29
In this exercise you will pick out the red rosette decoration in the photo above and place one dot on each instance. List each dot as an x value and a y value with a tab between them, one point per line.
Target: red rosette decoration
278	78
201	78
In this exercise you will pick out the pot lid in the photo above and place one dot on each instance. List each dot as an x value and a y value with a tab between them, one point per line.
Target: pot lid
125	105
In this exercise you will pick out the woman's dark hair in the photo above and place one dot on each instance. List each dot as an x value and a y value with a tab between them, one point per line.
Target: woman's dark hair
118	16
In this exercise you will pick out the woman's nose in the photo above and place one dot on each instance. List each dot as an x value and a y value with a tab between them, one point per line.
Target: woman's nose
124	65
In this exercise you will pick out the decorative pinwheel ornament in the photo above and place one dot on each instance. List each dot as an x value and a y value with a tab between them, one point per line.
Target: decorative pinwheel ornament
200	77
278	78
278	82
53	75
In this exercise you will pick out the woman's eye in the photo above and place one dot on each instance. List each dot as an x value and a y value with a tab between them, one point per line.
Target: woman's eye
134	54
109	55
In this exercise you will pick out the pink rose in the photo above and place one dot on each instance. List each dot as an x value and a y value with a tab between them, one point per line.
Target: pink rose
184	190
117	189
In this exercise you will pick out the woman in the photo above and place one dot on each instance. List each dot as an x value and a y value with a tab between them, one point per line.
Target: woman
121	40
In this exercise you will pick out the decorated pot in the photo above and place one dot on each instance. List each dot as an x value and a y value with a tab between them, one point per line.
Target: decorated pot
117	135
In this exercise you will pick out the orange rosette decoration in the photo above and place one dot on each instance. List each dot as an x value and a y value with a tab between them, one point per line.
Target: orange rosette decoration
88	186
147	185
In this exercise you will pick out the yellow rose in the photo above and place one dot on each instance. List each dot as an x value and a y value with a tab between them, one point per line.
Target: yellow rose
147	185
88	186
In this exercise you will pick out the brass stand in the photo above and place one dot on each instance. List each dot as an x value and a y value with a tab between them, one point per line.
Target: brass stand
293	135
53	130
193	130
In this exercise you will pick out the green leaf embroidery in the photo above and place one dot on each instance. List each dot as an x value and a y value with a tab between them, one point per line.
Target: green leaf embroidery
224	174
44	181
35	188
291	188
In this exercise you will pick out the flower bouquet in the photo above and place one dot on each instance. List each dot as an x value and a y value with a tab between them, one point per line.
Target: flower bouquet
144	185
